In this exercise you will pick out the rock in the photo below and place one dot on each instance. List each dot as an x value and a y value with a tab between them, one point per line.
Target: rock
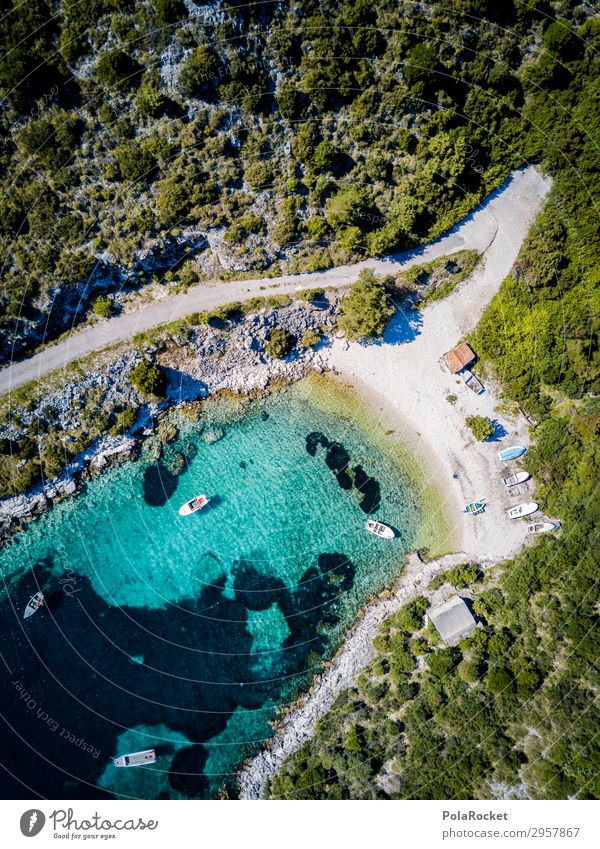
214	435
167	433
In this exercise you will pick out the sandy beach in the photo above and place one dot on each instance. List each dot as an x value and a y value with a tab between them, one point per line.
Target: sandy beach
406	381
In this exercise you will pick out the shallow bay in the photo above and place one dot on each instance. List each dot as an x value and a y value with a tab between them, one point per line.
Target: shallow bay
185	634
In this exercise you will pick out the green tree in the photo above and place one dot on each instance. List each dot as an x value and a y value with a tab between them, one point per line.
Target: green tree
279	343
481	427
103	306
149	379
200	71
366	310
117	69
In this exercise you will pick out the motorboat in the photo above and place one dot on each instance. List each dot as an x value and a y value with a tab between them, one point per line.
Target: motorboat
543	527
33	605
521	510
475	507
518	477
379	529
196	503
148	756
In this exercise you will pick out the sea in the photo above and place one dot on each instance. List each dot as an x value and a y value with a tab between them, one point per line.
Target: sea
188	634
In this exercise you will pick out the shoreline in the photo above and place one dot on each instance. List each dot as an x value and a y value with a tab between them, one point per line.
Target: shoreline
297	724
405	374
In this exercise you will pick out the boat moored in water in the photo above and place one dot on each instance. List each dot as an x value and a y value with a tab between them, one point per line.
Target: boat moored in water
512	453
196	503
33	605
521	510
148	756
543	527
518	477
379	529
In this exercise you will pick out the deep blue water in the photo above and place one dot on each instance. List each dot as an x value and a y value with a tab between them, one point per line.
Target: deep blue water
185	634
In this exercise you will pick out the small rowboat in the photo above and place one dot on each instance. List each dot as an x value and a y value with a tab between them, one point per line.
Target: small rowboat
522	510
512	453
197	503
518	477
148	756
379	529
475	507
33	605
543	527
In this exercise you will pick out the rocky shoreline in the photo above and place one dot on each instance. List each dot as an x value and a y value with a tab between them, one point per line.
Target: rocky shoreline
298	724
199	362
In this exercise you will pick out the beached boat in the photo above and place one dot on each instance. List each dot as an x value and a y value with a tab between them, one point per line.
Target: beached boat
543	527
520	510
379	529
474	384
518	477
475	507
197	503
33	605
148	756
512	453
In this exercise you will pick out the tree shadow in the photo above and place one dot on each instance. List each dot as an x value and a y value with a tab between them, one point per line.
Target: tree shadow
499	431
183	387
404	327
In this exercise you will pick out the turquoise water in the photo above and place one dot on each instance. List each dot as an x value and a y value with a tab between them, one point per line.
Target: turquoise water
186	633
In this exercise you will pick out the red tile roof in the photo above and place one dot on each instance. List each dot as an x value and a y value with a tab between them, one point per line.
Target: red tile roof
459	357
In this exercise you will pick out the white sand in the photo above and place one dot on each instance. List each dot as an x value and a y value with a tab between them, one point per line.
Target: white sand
405	379
409	382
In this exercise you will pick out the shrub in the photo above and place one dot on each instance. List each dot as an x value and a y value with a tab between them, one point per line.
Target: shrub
148	378
116	68
310	338
199	71
280	343
311	295
125	421
103	306
366	309
481	427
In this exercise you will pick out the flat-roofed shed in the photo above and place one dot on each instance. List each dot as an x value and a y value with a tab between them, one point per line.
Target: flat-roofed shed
453	620
460	357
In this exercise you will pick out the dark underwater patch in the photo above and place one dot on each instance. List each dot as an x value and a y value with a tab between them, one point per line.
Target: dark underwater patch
338	460
186	774
159	485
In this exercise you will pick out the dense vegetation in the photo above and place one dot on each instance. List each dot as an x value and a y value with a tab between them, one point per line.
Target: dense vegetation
512	710
299	135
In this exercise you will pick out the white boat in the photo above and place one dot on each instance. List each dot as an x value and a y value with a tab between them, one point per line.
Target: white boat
522	510
518	477
542	527
33	605
379	529
197	503
148	756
